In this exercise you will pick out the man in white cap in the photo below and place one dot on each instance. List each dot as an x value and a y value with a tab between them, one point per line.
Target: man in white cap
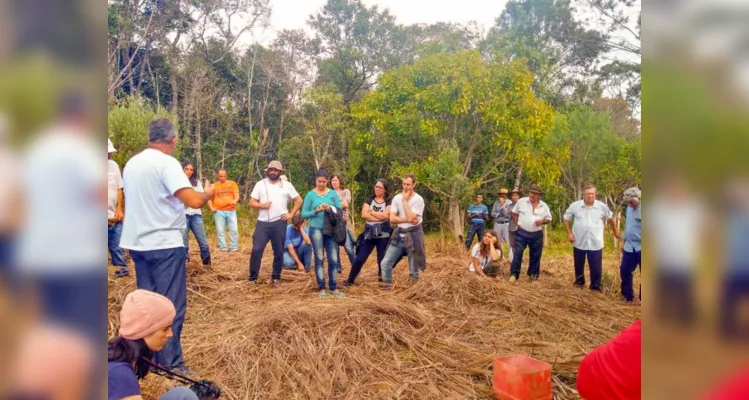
271	196
115	214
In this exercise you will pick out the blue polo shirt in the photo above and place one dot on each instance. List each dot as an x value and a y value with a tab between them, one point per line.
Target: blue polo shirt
294	237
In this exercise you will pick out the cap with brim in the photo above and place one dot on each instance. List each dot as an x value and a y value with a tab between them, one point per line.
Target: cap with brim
516	191
535	189
503	191
275	165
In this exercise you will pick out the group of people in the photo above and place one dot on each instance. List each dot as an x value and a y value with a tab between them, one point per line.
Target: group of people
519	221
157	201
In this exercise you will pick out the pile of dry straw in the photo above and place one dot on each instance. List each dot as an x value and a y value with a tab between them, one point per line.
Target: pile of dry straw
433	340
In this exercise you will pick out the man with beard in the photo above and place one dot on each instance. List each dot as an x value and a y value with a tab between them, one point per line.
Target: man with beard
271	196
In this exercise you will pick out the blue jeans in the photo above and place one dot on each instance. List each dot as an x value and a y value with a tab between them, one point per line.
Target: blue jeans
349	248
630	262
534	241
476	228
325	243
195	224
393	255
163	272
113	238
303	252
223	220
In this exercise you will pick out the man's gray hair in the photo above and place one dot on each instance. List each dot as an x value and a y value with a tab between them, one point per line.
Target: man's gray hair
631	194
161	130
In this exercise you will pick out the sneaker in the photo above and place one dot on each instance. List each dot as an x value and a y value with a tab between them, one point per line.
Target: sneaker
254	282
348	284
513	279
276	283
579	285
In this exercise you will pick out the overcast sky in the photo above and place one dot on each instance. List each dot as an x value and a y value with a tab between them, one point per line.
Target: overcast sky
293	14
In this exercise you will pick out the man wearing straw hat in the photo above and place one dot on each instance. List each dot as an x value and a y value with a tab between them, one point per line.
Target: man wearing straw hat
530	214
502	214
632	249
271	196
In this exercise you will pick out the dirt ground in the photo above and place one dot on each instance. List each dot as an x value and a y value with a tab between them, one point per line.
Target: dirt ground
435	339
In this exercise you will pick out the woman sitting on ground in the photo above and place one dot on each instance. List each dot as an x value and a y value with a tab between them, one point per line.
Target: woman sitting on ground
486	255
145	327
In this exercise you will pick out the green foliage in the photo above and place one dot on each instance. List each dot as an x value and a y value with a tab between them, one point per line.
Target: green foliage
127	126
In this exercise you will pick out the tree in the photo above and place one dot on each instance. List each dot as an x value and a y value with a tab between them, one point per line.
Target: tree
458	122
354	44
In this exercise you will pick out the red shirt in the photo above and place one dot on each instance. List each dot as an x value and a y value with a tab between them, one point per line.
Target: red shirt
613	371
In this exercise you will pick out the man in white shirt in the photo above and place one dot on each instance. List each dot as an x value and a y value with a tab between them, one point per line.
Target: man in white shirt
530	214
407	211
157	191
271	196
589	217
115	214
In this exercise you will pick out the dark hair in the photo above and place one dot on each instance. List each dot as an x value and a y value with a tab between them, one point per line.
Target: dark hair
410	176
131	352
340	179
386	186
161	130
321	173
477	195
296	219
194	177
484	249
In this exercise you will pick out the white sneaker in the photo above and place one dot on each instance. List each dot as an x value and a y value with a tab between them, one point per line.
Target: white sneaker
512	279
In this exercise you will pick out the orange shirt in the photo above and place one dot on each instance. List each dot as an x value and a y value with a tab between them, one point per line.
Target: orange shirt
223	195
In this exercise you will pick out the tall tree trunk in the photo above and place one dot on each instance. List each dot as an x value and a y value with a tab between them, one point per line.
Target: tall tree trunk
198	140
518	175
455	219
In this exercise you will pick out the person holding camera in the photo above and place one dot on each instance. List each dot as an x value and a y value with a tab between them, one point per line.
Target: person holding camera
145	327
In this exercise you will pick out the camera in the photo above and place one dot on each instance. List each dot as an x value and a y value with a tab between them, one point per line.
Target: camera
206	390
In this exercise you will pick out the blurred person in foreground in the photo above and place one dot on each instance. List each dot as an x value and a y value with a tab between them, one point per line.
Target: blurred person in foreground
9	220
61	248
157	191
115	213
736	275
613	371
676	221
632	243
145	327
589	218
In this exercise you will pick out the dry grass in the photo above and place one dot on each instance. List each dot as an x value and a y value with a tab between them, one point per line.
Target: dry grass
433	340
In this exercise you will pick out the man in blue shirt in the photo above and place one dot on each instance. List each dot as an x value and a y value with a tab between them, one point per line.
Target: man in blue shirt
632	250
477	214
297	251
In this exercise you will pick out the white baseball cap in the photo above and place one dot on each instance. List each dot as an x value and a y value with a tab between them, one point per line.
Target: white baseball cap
110	147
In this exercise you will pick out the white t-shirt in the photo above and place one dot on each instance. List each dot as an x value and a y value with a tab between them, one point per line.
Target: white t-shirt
416	204
154	218
114	182
476	254
62	180
279	196
677	231
527	216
